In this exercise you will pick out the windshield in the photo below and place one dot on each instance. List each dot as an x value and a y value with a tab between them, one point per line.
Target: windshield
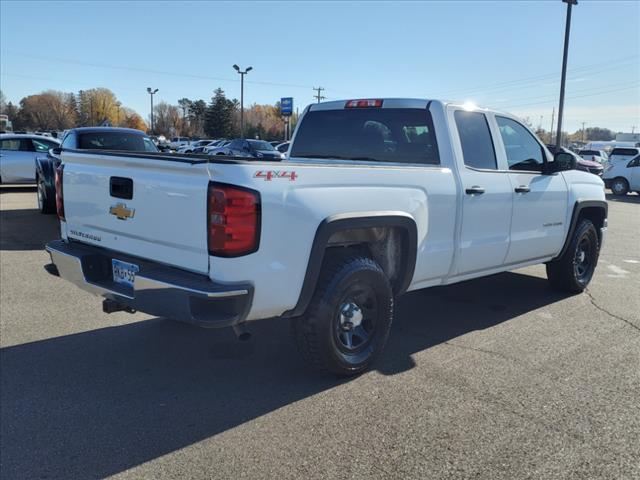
116	141
369	134
260	145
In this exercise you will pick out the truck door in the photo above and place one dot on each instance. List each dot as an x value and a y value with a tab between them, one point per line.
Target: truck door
539	200
486	196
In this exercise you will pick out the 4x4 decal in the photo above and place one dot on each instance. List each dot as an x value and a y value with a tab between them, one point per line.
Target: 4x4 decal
269	175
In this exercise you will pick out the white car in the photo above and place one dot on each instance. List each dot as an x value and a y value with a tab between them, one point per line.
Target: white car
178	142
18	154
623	177
623	155
599	156
190	147
375	198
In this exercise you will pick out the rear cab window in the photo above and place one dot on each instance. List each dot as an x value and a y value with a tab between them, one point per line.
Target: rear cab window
625	151
115	141
475	139
398	135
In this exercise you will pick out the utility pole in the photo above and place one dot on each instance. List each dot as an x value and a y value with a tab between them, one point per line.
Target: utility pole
152	92
633	129
540	124
553	115
242	74
583	131
318	96
567	28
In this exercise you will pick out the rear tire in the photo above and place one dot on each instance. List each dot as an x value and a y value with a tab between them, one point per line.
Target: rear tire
347	323
572	272
46	204
619	186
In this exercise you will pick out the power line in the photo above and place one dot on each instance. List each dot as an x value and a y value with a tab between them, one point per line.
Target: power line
318	96
572	97
537	78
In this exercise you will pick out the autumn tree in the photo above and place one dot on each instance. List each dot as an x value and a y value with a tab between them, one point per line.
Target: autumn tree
167	119
50	110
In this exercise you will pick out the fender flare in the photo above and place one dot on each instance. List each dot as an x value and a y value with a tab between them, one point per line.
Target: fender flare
575	215
336	223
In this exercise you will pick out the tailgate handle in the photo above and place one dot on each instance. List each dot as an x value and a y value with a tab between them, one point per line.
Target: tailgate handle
121	187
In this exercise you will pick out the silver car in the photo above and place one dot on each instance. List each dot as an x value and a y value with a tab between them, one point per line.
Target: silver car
18	153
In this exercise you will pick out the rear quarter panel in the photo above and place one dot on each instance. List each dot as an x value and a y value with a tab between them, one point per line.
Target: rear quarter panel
293	210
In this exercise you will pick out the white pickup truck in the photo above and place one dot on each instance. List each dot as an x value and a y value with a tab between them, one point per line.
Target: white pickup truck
376	198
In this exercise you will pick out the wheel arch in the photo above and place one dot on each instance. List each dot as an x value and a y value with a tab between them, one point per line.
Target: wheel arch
594	210
397	230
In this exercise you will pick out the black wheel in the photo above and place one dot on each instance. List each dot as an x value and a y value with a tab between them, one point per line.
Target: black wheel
619	186
347	323
46	204
572	272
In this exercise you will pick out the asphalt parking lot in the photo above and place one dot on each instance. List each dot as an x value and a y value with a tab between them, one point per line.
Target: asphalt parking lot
497	378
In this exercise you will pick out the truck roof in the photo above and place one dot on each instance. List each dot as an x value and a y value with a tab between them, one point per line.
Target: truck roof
401	103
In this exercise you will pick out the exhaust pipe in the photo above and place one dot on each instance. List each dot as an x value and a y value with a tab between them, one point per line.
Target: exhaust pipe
241	332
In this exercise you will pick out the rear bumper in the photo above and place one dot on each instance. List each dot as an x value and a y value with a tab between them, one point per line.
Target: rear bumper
157	290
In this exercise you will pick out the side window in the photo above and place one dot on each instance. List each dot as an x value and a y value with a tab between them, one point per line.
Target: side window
69	141
475	138
523	150
11	144
235	145
634	163
42	145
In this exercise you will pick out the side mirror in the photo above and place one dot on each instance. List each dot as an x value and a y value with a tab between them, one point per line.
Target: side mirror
55	152
562	162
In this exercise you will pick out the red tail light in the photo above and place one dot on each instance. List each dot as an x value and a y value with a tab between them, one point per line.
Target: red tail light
367	103
59	196
233	220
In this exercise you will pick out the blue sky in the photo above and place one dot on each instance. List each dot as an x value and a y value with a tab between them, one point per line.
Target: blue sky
503	54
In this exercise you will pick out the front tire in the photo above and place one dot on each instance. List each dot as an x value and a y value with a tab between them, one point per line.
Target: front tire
347	323
572	272
619	186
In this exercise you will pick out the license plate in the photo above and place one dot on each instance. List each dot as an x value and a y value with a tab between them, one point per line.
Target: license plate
123	272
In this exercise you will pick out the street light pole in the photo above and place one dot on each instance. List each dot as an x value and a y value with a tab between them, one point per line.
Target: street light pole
242	74
152	92
567	29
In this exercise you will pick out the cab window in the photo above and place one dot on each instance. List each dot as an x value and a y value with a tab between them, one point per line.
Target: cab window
17	144
523	151
475	139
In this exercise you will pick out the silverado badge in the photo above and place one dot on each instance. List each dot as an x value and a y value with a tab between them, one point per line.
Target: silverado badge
122	212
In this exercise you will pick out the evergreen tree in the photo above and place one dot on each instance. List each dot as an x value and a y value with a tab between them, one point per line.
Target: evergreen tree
219	116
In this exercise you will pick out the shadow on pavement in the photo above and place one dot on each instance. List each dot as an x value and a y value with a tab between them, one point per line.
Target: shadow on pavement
97	403
628	198
27	229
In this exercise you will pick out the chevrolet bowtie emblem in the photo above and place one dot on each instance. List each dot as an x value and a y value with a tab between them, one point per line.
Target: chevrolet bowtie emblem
122	212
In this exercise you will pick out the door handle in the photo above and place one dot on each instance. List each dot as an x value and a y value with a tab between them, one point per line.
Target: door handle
475	190
523	189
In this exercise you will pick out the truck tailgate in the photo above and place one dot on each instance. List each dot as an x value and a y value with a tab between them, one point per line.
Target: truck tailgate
162	218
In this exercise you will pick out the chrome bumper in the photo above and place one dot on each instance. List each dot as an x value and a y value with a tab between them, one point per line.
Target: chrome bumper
157	289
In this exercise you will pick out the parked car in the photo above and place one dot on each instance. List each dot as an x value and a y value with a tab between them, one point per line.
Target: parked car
161	142
216	146
623	155
275	143
376	197
250	148
81	139
193	146
18	153
599	156
590	166
283	147
177	142
623	177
